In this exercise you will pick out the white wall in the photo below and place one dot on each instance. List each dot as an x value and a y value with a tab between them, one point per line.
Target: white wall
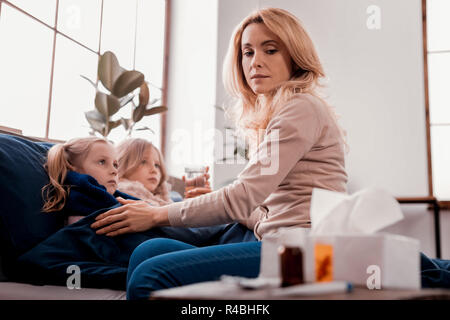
192	78
375	83
229	18
375	76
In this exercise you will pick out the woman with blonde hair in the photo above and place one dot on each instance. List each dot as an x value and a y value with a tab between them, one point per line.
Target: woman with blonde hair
273	71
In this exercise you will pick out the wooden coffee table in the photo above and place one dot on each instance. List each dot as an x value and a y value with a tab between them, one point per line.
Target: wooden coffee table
219	290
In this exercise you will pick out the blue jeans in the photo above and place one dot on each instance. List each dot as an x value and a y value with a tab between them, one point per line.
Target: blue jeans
166	263
435	273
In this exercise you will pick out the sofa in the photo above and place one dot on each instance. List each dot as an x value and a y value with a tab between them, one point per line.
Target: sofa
23	225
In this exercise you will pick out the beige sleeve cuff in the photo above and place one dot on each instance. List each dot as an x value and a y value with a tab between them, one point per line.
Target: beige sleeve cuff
174	214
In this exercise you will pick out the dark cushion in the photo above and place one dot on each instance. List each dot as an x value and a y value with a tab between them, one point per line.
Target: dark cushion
2	276
175	196
22	176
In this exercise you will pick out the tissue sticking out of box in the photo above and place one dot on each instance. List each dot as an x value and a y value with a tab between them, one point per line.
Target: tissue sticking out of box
366	211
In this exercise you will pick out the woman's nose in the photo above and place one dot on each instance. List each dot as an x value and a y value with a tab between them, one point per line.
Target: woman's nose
257	60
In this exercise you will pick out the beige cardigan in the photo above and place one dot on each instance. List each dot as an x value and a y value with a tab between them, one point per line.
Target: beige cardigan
301	150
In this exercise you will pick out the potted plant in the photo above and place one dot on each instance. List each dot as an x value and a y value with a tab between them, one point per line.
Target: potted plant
123	86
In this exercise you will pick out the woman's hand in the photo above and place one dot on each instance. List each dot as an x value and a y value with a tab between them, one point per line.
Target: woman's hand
198	191
132	216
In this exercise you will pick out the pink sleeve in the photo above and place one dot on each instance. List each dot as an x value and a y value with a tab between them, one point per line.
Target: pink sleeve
290	134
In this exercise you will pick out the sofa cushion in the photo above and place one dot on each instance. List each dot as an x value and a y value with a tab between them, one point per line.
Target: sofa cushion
22	291
22	224
175	196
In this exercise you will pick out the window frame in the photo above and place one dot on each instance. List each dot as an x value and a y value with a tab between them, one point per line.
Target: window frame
444	204
56	32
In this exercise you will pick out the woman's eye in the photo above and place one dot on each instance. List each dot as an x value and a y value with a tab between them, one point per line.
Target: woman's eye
247	53
271	51
143	161
116	165
102	162
157	165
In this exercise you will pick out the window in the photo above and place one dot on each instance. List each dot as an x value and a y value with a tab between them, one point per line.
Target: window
46	46
438	68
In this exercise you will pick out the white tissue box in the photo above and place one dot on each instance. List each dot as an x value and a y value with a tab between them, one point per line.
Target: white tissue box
346	242
375	261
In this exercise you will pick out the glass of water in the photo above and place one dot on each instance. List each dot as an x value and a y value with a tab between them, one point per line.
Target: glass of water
195	177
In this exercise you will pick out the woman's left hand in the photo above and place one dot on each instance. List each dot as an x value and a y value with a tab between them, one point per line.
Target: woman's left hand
132	216
197	192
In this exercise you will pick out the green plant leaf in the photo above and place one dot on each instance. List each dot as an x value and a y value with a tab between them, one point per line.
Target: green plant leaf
114	124
106	104
96	120
144	95
127	82
138	113
155	110
145	128
109	69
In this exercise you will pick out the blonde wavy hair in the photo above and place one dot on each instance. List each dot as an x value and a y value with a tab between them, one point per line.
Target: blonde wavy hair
131	153
61	158
253	112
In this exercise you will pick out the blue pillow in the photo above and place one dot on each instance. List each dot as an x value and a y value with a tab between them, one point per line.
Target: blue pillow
22	176
175	196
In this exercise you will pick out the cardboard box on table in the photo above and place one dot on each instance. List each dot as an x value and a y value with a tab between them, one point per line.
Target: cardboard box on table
375	261
346	231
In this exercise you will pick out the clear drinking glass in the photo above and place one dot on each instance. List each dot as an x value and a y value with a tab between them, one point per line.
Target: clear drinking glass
195	177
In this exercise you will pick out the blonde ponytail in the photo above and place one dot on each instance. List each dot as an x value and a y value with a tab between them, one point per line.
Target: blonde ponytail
57	165
60	159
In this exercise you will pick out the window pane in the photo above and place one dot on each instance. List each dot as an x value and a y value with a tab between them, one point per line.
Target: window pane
80	19
438	25
440	136
119	29
153	122
438	81
44	10
25	64
72	95
150	40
